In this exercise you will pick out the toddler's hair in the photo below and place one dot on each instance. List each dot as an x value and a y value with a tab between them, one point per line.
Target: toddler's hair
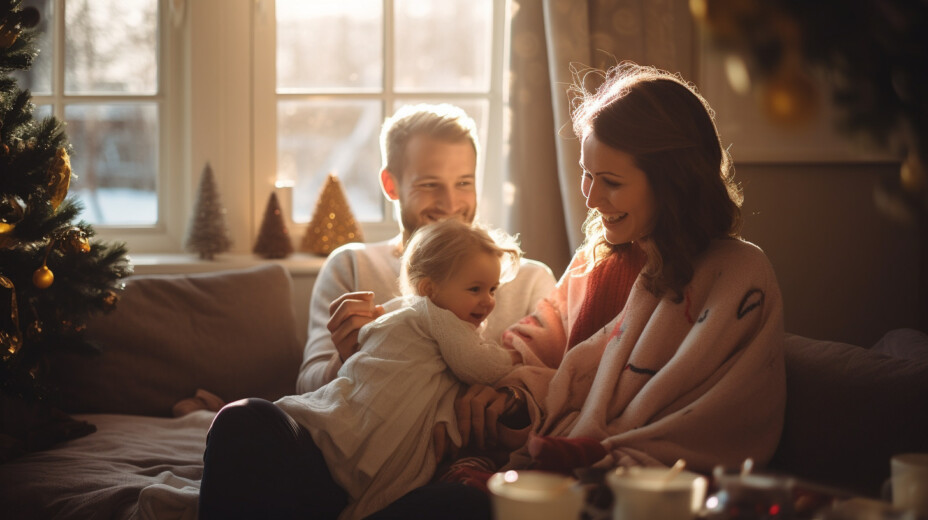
437	250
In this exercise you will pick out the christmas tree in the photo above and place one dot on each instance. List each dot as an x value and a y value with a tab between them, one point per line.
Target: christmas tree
332	224
209	233
53	276
274	237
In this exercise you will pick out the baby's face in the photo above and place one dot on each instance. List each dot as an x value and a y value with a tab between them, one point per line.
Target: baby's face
470	293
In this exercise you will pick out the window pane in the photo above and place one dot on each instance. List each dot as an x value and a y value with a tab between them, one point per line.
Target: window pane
115	160
318	137
443	46
111	46
38	79
477	109
331	44
41	112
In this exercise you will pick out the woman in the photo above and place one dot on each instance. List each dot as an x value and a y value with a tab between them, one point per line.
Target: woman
663	339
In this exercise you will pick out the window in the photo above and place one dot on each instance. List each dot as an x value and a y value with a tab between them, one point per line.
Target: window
342	66
269	93
101	77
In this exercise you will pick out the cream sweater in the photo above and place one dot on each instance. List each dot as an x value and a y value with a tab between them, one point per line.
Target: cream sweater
374	421
376	267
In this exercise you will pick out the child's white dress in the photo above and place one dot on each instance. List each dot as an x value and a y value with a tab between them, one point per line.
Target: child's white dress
374	422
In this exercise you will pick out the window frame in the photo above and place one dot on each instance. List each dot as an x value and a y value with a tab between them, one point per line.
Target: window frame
491	162
218	104
162	235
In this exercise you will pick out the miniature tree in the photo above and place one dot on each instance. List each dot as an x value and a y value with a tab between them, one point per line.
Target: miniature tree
53	277
208	234
332	224
274	237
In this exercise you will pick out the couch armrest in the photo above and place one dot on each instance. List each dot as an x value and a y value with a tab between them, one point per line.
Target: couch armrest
848	411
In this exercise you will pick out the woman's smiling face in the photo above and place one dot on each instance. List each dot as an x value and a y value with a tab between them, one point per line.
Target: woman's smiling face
615	187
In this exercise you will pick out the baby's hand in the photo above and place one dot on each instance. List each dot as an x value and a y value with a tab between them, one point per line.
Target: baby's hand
515	355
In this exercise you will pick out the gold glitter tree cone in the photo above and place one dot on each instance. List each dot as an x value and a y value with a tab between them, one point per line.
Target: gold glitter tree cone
333	224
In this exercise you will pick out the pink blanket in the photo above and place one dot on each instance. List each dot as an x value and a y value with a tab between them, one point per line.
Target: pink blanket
702	379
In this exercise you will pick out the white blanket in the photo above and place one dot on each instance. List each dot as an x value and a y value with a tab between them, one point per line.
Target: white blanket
131	467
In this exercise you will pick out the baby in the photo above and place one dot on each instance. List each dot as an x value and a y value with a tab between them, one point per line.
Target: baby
374	422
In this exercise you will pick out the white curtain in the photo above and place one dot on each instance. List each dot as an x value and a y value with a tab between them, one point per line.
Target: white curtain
547	209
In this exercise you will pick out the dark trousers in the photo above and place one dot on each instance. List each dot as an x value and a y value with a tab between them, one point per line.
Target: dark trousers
259	463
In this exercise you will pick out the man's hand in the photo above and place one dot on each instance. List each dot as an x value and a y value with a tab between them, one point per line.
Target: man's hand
347	314
477	411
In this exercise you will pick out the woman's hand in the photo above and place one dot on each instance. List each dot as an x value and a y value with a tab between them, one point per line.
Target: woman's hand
478	409
347	314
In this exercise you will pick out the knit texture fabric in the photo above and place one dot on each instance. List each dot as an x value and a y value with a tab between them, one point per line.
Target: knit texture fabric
610	282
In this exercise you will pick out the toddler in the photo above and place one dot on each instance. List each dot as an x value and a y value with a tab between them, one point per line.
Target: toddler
374	422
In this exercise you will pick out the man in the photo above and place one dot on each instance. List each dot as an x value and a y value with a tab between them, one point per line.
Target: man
429	171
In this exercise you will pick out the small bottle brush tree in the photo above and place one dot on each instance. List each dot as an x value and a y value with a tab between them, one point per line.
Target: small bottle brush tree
209	233
53	276
274	238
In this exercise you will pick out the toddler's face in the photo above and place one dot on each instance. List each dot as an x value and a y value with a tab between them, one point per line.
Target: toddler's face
470	293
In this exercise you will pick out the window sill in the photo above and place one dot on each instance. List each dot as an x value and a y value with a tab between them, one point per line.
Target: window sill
299	264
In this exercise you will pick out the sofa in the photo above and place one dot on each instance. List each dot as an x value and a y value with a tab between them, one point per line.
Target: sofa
177	346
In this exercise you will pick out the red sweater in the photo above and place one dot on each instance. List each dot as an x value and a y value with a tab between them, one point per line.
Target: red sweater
610	283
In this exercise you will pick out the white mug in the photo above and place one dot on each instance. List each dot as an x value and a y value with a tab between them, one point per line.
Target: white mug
646	493
909	482
536	495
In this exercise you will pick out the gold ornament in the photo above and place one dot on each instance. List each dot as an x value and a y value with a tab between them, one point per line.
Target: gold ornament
332	224
110	298
790	98
724	17
14	23
75	240
11	343
912	174
43	277
59	177
8	36
12	210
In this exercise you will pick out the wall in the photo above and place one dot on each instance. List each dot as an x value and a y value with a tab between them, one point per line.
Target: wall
846	270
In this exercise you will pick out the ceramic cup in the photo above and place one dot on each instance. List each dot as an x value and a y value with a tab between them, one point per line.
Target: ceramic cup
909	482
538	495
645	493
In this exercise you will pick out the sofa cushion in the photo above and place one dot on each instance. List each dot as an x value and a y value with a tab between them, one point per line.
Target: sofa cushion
232	333
849	409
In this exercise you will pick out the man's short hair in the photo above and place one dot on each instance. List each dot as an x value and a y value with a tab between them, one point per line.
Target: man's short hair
442	121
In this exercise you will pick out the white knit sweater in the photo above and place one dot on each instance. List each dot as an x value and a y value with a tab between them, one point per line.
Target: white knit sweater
374	421
376	267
